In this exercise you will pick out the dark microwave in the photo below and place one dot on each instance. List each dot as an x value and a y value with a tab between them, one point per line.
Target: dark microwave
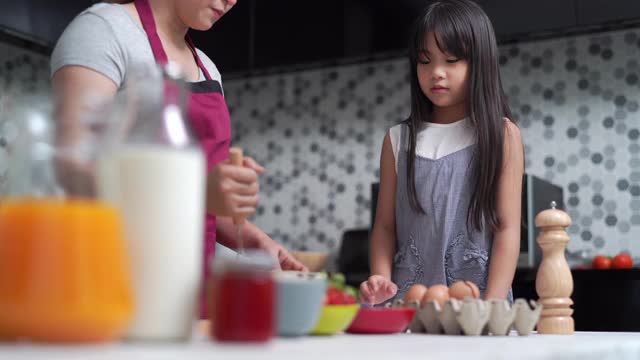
537	195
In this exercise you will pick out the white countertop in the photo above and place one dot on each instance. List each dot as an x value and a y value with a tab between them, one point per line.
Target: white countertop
583	346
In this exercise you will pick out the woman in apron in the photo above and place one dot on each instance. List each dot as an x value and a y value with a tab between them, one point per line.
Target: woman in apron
92	56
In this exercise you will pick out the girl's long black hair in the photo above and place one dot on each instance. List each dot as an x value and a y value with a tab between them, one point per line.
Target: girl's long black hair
463	29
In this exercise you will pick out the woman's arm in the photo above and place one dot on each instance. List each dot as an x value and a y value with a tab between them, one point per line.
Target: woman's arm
506	242
254	238
78	90
231	190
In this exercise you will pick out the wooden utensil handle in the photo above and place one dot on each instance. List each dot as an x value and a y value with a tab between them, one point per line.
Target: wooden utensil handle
237	158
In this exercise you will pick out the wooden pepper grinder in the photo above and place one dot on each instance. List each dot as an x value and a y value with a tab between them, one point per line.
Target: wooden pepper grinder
554	282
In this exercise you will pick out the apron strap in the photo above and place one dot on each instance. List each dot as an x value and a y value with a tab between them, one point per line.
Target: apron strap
195	56
149	24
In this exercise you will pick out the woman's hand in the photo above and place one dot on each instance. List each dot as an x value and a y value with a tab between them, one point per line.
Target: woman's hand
235	177
252	164
233	190
377	289
285	259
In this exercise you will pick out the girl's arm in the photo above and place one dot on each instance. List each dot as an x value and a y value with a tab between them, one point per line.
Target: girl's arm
383	237
379	287
506	243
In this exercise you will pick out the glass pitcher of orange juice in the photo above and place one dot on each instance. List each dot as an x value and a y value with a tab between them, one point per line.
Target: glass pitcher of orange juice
64	272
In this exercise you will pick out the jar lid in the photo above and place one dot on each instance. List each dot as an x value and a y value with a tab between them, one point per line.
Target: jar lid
299	276
250	260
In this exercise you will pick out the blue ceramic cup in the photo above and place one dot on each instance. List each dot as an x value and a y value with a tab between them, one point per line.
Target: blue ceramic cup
299	301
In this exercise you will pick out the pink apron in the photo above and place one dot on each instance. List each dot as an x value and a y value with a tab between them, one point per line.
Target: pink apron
209	117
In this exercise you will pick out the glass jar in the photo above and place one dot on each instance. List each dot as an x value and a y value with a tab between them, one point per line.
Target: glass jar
242	298
64	271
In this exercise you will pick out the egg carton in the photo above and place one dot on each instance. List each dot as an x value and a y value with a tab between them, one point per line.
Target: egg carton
474	317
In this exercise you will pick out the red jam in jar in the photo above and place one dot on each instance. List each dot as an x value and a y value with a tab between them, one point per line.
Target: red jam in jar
241	299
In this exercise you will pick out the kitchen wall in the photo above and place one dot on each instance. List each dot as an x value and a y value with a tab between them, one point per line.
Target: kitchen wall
319	135
22	72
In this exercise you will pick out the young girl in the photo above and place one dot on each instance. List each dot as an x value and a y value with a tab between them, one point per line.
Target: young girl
451	174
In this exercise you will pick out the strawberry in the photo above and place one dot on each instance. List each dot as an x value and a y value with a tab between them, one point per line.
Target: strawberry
334	296
340	295
349	299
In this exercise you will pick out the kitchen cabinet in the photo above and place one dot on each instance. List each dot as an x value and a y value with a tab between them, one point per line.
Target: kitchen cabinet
290	32
14	16
41	21
512	19
261	35
592	12
50	18
266	34
228	43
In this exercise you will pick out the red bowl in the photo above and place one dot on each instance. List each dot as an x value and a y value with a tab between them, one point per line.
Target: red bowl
381	320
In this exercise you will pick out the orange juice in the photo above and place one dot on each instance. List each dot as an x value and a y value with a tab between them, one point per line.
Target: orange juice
64	274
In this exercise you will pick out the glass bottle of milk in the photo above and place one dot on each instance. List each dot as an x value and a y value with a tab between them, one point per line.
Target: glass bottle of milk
153	171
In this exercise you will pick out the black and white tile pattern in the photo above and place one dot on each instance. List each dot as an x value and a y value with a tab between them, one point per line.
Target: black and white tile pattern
319	134
22	72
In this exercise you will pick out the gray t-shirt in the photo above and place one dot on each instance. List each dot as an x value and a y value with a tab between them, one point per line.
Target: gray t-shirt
105	38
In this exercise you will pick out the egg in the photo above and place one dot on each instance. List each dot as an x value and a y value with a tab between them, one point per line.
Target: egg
462	289
438	293
415	293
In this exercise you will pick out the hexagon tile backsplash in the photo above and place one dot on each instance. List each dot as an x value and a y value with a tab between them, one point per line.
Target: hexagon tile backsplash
21	72
319	135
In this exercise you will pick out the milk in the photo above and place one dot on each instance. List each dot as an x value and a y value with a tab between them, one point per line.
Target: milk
160	192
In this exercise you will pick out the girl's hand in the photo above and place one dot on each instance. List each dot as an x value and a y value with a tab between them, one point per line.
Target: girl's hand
377	289
232	190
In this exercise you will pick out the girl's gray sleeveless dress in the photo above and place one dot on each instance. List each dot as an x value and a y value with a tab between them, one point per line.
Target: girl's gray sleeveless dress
440	246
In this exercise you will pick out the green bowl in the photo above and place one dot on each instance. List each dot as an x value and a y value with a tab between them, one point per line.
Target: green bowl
335	318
